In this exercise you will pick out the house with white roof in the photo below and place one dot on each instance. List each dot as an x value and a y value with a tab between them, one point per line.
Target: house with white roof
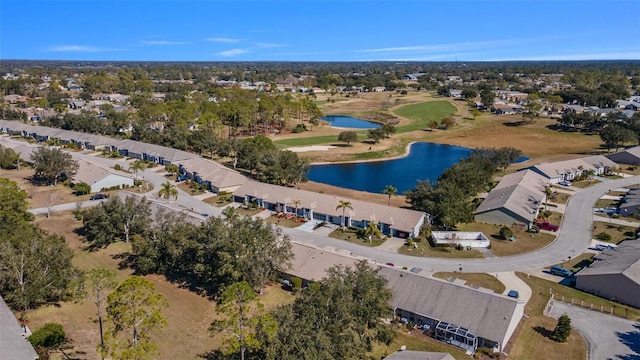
99	178
559	171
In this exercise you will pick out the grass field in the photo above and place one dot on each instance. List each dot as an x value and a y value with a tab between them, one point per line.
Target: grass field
351	236
189	314
423	113
478	279
533	342
617	232
424	249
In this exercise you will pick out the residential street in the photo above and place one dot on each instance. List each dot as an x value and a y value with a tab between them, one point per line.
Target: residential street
573	238
612	338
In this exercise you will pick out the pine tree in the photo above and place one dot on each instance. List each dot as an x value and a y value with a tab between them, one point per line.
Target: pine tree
563	329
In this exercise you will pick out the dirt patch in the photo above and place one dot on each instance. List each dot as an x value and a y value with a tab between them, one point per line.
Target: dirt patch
44	195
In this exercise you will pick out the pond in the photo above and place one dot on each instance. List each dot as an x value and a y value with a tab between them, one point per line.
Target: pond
424	161
343	121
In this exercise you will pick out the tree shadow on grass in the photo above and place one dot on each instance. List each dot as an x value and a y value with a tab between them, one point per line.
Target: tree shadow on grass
542	331
514	123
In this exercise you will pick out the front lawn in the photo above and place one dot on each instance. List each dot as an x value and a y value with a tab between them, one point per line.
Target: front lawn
476	279
350	234
424	249
617	232
579	262
284	222
525	242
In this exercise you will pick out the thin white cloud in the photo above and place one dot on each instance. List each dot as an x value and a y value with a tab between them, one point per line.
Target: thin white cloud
232	52
162	42
225	40
269	45
447	47
80	48
588	56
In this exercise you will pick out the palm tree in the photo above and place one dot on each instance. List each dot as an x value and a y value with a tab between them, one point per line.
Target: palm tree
168	191
344	205
296	203
391	191
136	166
372	230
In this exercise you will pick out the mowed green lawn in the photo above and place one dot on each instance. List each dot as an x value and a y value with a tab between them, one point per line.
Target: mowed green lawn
423	113
316	140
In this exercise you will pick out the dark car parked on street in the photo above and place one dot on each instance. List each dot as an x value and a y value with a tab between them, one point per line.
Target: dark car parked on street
99	196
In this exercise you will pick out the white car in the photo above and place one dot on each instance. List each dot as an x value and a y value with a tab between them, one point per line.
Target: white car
564	183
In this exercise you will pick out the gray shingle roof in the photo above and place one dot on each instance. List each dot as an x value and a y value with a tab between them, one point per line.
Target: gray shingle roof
554	169
520	192
624	259
485	314
399	219
13	346
217	174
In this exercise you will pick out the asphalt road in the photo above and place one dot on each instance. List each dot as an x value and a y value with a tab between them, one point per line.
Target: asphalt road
573	238
612	337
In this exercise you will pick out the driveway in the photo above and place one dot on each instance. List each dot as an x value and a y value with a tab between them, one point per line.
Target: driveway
608	337
573	238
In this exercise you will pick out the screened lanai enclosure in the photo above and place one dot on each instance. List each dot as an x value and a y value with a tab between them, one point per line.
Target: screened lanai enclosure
456	335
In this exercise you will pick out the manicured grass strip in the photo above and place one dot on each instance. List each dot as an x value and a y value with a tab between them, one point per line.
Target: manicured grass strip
308	140
579	262
477	279
424	249
351	236
423	113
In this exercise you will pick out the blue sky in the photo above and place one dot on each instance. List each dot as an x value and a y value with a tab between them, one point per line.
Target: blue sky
307	30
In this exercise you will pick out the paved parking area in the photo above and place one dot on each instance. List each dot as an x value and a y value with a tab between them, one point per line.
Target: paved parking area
608	337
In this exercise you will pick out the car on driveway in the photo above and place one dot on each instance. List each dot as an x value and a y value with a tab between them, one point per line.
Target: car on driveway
514	294
565	183
547	226
99	196
560	271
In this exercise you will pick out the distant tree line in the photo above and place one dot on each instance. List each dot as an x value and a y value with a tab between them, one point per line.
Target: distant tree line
450	199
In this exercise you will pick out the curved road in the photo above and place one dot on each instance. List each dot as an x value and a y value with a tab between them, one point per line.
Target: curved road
573	239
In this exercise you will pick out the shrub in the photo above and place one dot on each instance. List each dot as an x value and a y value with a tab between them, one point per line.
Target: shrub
296	282
50	335
603	236
505	232
563	329
299	128
81	188
137	182
117	167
